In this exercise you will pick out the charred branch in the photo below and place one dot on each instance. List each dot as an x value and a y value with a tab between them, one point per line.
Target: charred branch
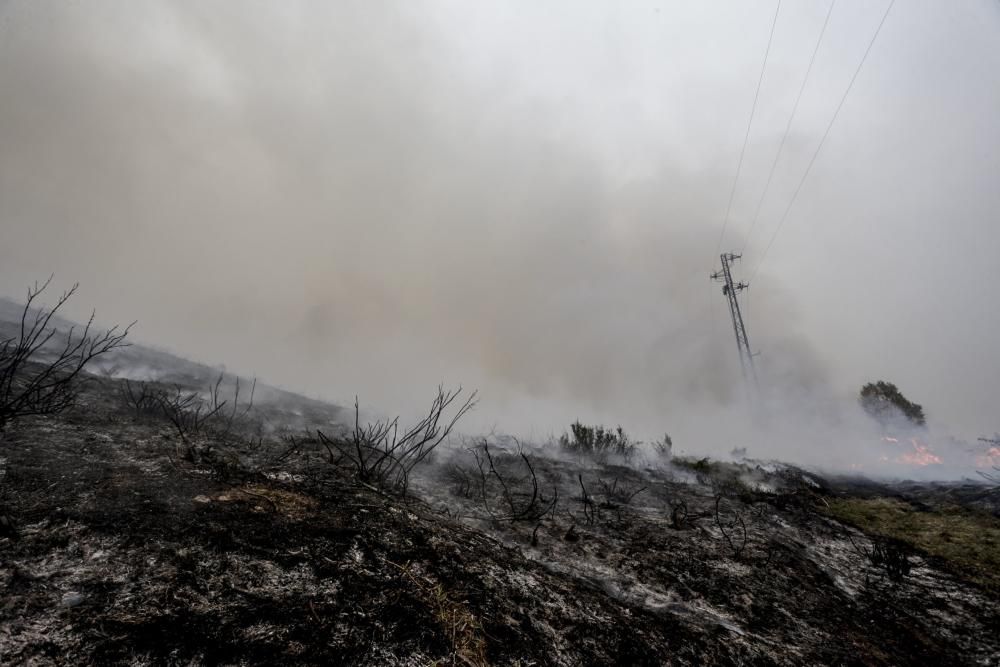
522	499
188	412
735	534
886	555
382	454
40	368
616	496
464	481
141	397
589	508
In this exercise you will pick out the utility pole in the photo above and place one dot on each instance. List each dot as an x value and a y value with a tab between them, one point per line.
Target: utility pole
730	290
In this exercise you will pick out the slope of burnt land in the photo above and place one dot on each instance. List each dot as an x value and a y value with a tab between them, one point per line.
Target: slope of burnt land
954	524
131	550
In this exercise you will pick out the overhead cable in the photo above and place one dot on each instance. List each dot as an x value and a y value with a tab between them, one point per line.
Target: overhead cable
788	126
746	137
822	141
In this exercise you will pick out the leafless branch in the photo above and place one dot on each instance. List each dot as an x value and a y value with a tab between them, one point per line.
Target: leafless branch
616	496
519	504
40	371
142	397
886	555
381	454
589	509
740	544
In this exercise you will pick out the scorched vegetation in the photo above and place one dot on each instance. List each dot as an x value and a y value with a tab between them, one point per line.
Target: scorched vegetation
197	519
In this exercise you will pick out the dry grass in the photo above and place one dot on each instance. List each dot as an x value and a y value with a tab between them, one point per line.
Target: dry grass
462	629
295	506
968	542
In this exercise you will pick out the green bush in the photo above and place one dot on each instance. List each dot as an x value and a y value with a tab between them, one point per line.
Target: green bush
597	442
882	399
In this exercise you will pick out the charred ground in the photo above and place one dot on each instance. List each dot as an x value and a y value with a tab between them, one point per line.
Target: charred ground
256	549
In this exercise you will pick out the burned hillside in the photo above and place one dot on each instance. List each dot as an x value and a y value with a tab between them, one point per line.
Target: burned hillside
138	542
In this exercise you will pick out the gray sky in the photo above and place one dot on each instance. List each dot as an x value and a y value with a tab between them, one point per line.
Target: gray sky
524	197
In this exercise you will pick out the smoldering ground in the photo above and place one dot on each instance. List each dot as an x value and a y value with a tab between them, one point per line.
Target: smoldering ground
370	200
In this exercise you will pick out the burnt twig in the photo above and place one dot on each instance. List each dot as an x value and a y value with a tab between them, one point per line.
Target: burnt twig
737	549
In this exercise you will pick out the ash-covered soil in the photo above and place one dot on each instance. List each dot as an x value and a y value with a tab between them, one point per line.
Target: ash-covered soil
259	552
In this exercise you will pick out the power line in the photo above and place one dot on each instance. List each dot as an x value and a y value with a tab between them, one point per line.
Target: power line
788	126
822	141
746	137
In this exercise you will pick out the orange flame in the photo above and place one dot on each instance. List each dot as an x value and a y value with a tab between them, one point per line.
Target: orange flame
920	456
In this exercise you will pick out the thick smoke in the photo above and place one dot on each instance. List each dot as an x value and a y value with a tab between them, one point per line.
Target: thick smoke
367	199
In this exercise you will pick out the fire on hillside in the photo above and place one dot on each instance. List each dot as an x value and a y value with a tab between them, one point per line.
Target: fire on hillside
914	452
